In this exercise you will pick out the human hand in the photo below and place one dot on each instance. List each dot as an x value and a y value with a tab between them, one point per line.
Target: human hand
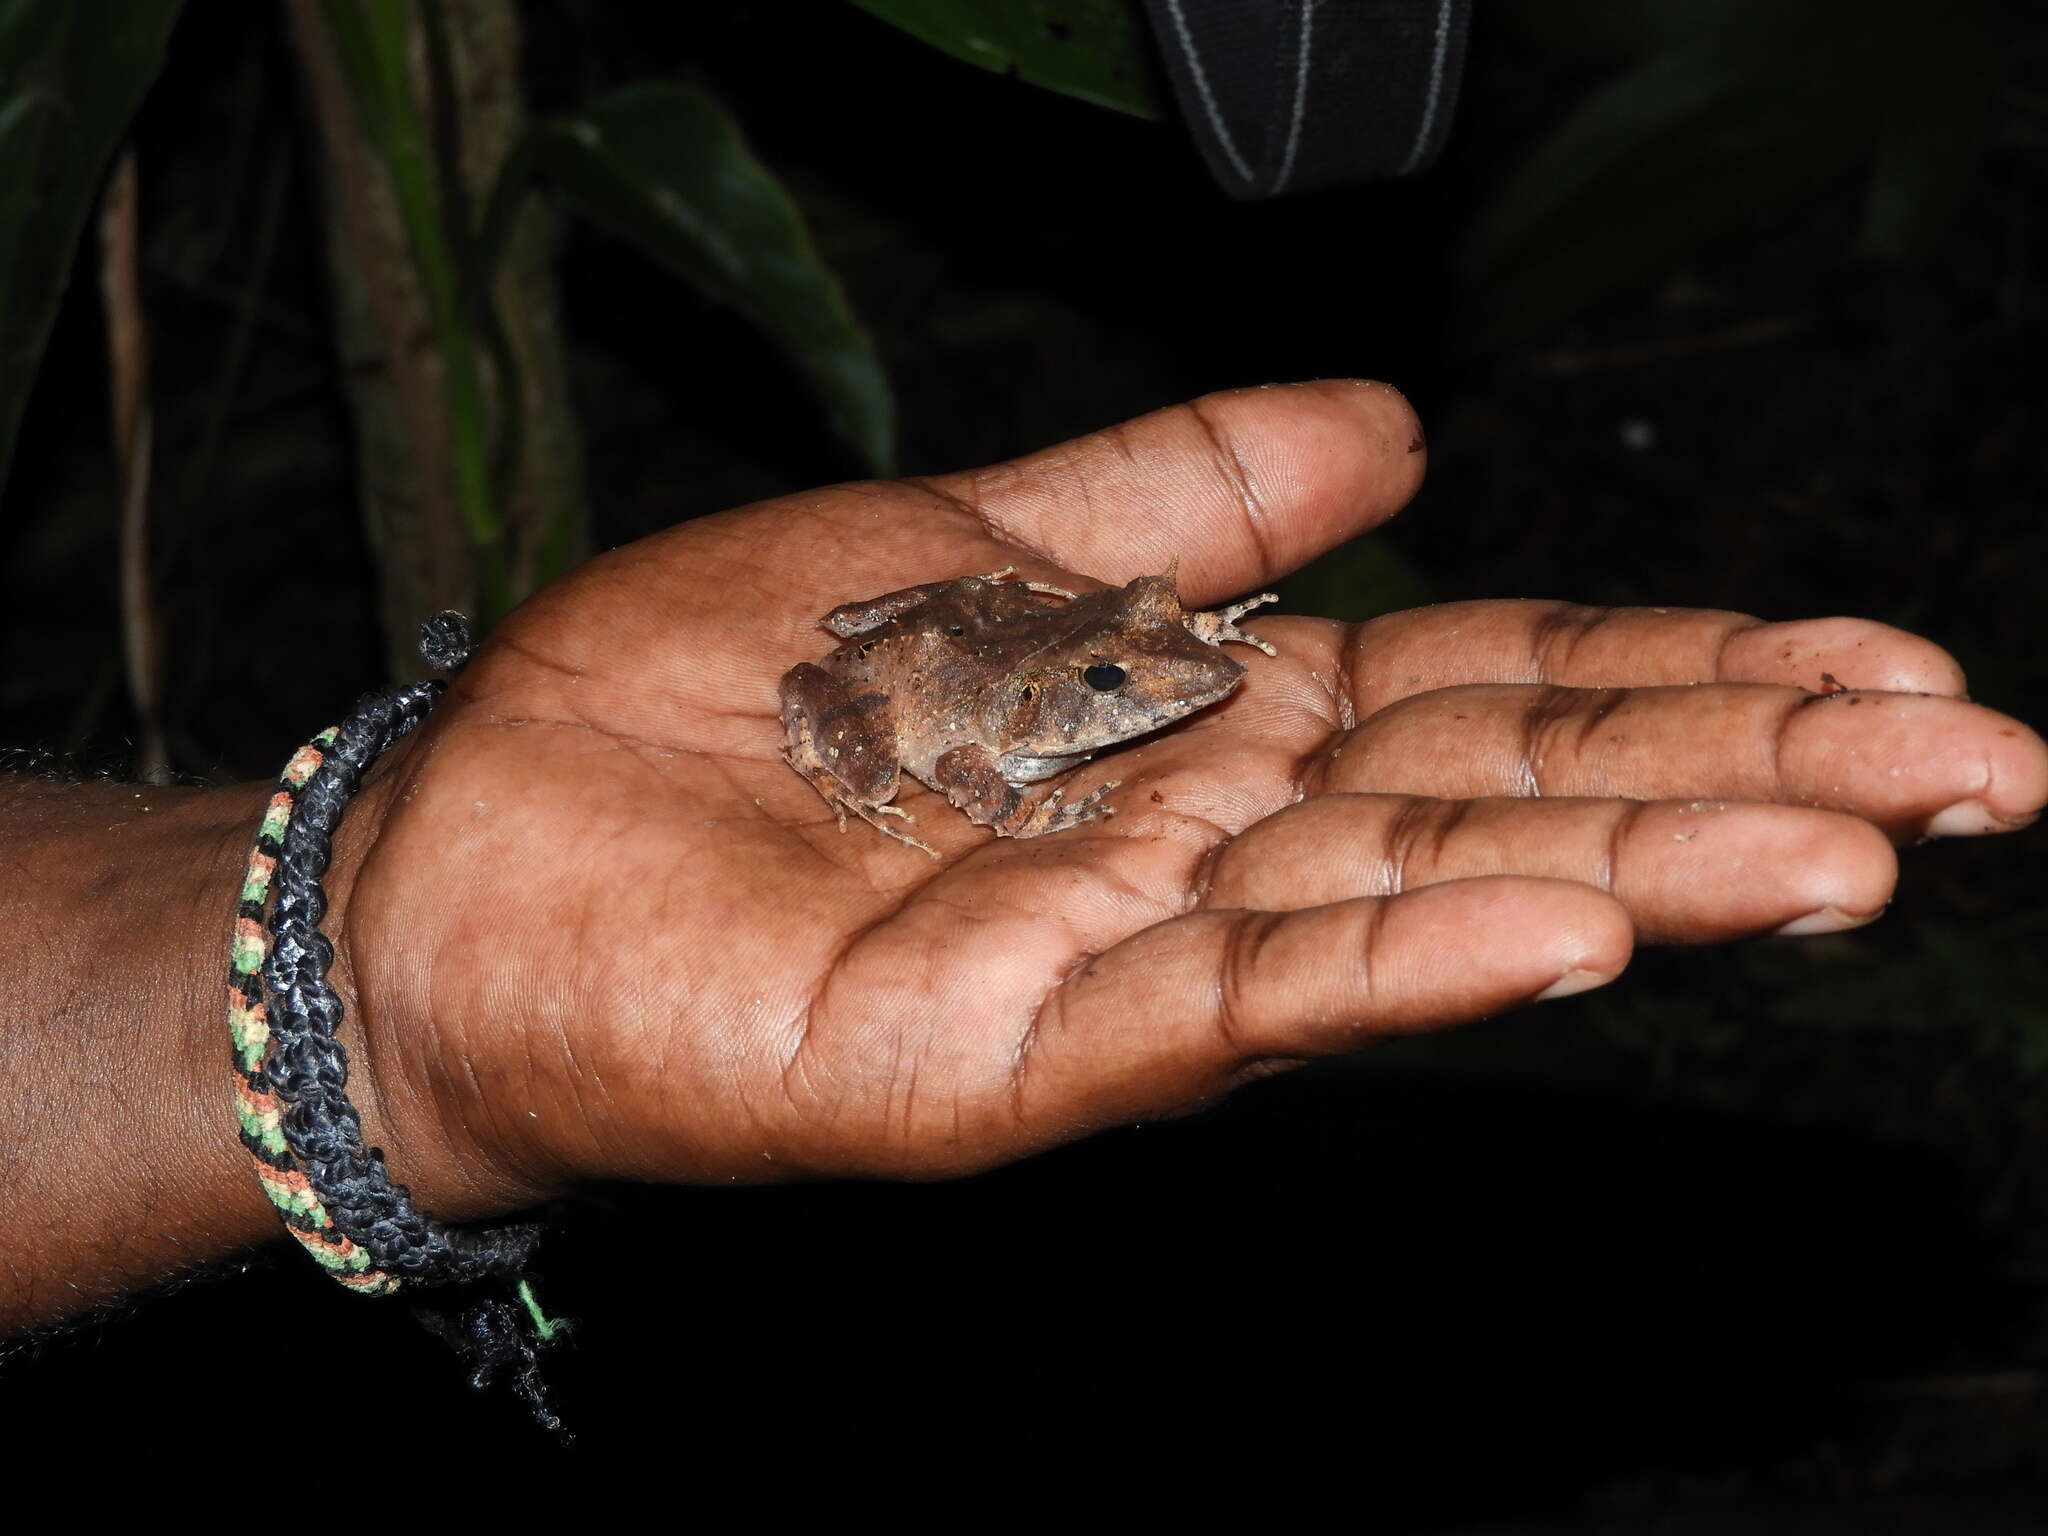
594	926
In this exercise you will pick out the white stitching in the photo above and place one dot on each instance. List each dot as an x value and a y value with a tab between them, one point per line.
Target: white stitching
1436	86
1187	44
1308	25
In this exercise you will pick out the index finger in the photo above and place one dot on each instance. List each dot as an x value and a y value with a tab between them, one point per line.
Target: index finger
1534	640
1239	487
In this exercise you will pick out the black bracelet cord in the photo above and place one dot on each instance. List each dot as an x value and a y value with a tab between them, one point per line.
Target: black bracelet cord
308	1066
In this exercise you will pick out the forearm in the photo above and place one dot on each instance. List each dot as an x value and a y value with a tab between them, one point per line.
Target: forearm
119	1164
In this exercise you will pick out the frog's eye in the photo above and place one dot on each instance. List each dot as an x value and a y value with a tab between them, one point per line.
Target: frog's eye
1105	677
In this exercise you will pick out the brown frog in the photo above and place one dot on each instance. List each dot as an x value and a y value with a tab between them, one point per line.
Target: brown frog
979	685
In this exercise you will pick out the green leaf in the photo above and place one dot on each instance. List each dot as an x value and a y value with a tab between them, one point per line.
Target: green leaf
71	77
372	41
1093	50
665	167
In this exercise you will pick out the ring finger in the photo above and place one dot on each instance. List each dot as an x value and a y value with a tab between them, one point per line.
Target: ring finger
1687	871
1914	765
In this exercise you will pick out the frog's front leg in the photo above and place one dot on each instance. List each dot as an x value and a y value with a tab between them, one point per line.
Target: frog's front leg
970	778
843	739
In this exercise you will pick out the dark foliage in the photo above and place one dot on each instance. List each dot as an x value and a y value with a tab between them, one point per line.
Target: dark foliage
1756	1242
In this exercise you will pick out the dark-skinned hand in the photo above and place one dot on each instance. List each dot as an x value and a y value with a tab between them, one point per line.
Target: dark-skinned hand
593	926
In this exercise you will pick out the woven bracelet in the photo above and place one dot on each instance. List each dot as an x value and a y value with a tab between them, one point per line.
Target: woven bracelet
291	1072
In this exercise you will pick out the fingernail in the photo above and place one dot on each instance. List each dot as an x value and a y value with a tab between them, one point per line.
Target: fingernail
1973	818
1826	920
1574	981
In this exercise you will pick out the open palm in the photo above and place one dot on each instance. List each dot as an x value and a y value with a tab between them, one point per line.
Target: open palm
595	927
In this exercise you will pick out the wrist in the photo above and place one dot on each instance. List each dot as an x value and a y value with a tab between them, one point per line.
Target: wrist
122	1164
405	1078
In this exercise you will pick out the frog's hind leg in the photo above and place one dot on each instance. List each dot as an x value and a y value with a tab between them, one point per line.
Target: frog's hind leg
843	740
857	618
1043	589
873	814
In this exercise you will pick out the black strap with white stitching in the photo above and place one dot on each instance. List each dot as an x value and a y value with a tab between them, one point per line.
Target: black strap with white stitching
1290	95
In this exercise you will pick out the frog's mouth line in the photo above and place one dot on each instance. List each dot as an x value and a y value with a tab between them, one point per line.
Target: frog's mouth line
1017	770
1030	768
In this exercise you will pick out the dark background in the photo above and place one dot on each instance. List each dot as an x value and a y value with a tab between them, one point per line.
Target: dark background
1753	1241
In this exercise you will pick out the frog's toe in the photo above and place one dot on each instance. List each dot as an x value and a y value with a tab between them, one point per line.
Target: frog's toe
876	817
1221	625
1095	795
1088	808
906	839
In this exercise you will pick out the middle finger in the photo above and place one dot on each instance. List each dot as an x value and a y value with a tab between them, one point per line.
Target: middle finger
1910	763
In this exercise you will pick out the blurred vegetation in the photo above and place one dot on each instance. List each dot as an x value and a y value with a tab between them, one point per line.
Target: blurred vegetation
1709	117
1713	302
71	84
